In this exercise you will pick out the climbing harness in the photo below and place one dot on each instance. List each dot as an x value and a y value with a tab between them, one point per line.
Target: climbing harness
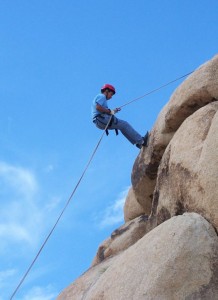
99	117
81	177
116	130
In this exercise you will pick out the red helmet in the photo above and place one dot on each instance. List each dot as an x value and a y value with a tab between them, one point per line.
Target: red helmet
109	87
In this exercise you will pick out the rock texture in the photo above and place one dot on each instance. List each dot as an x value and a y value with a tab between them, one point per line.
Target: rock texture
81	287
132	208
168	247
188	173
176	260
124	237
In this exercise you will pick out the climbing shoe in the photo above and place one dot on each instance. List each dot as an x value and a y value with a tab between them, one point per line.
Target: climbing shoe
139	146
145	141
145	138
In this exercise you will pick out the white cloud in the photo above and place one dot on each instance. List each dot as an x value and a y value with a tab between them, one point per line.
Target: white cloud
52	204
23	221
19	214
6	279
20	179
14	232
49	168
5	276
40	293
114	213
22	214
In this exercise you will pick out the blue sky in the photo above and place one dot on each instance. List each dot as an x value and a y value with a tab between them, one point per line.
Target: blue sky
54	57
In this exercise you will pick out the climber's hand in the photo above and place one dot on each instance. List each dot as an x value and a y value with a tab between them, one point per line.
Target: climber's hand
112	112
117	109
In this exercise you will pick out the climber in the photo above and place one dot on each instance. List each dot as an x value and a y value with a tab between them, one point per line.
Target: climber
101	115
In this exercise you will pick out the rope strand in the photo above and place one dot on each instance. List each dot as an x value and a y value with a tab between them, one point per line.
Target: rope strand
155	90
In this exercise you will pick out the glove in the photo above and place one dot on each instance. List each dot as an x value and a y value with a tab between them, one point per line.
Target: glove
115	110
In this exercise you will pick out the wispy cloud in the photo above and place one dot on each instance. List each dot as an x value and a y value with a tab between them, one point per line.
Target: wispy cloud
52	204
15	232
5	277
20	179
40	293
22	212
23	221
6	281
113	214
49	168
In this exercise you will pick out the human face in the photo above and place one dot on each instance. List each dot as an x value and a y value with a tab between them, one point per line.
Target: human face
109	95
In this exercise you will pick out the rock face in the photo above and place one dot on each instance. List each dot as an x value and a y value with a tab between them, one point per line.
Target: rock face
188	173
176	260
168	247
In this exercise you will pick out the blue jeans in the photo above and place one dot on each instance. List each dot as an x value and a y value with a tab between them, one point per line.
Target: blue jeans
127	130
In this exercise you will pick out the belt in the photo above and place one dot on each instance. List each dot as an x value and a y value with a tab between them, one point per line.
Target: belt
100	116
97	116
